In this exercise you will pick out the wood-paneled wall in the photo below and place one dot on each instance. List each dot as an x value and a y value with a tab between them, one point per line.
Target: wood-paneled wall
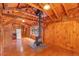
64	34
7	34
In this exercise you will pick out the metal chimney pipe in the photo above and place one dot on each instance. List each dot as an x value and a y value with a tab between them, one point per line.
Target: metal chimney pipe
38	38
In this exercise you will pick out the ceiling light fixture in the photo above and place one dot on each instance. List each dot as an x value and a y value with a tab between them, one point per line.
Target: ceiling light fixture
23	20
47	7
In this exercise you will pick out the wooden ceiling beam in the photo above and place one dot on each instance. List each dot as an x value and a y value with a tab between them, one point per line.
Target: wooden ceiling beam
65	10
9	21
15	16
78	5
35	6
54	11
3	5
18	5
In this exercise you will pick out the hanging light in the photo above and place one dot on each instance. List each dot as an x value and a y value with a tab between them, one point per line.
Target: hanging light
46	7
23	20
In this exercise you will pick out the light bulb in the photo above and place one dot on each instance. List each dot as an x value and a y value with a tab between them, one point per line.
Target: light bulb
23	21
46	7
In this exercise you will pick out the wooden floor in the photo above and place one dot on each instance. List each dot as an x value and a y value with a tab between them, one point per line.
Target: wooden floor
10	50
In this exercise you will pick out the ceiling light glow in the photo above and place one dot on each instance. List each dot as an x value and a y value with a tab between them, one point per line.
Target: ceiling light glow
46	7
23	20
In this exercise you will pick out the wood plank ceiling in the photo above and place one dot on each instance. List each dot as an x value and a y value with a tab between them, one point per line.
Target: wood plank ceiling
10	12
